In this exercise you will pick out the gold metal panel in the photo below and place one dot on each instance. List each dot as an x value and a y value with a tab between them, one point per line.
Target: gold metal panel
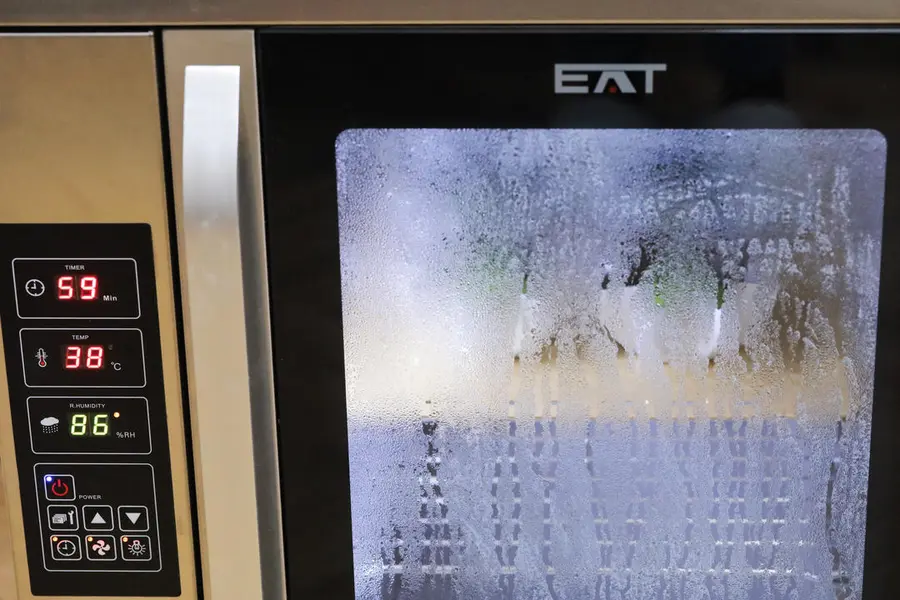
210	12
80	141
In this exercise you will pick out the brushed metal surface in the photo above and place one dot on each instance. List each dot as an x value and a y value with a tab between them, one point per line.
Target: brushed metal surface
80	142
213	113
164	12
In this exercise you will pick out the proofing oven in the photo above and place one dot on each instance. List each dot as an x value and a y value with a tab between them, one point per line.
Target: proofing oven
449	301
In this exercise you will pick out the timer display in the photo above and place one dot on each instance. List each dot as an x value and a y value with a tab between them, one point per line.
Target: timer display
83	357
71	287
76	288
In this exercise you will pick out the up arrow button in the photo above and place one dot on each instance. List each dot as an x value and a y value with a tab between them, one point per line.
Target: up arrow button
98	518
134	519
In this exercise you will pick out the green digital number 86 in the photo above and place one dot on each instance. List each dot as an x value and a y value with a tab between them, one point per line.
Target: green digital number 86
99	425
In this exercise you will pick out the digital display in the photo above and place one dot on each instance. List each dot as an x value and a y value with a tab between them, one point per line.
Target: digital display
89	424
83	357
71	287
76	288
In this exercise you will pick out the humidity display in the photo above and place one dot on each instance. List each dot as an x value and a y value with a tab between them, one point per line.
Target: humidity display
89	424
617	364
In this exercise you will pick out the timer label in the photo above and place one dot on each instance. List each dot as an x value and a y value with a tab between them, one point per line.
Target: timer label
89	425
76	288
81	358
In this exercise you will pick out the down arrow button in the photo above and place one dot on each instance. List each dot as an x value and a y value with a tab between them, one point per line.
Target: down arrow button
134	519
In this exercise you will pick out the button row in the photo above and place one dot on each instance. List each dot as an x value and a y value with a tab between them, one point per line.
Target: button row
101	547
64	517
98	517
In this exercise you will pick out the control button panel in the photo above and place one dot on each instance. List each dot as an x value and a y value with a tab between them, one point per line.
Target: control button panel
84	365
83	358
109	496
89	425
76	288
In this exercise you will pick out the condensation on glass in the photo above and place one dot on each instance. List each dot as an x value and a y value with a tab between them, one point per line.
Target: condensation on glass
610	364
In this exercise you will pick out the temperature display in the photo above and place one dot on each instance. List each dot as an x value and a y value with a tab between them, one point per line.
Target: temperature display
83	357
76	288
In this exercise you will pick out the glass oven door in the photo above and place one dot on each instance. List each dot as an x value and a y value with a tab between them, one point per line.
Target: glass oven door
584	313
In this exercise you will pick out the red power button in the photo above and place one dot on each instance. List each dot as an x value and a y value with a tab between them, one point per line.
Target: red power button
59	487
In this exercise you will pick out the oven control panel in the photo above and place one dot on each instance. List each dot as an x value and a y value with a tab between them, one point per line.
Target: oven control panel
80	328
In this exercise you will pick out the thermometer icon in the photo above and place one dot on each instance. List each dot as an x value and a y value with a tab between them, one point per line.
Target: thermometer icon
41	357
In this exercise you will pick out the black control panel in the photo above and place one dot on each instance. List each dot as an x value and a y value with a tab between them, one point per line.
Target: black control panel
84	364
98	517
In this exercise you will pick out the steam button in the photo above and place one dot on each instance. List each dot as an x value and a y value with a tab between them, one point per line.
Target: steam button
59	487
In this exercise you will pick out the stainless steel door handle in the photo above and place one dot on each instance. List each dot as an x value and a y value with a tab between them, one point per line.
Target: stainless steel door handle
215	333
218	197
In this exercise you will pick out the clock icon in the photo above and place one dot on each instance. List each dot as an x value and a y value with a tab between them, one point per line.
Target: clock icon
35	288
65	547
